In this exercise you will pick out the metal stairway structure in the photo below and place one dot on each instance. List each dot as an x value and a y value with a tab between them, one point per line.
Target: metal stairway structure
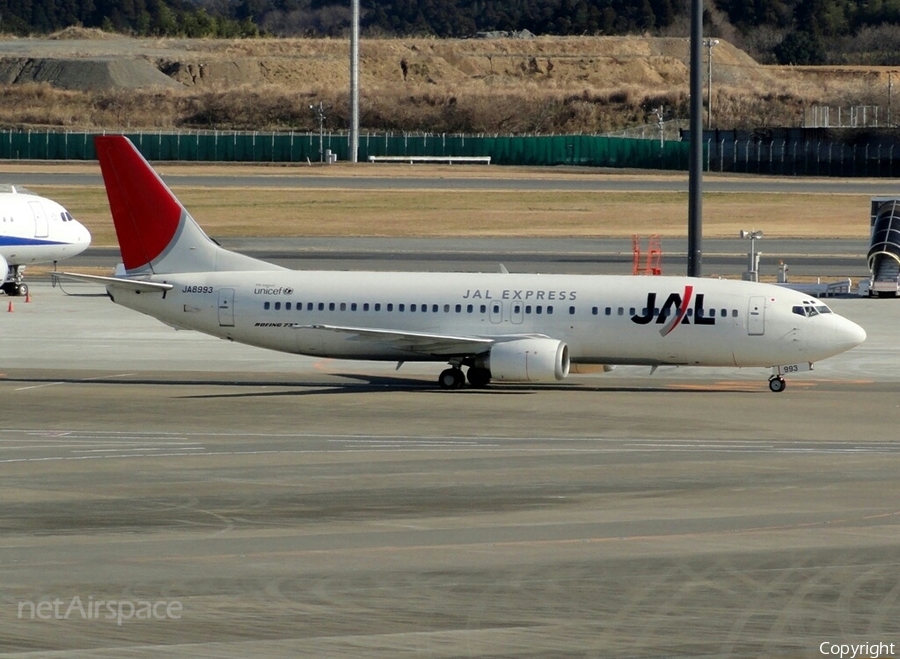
884	249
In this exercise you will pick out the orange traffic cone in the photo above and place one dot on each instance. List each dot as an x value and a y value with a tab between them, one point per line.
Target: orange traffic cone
28	297
9	309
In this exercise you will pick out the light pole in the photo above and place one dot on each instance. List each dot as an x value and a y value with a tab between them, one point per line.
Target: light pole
354	81
695	166
752	273
319	111
890	96
709	43
661	124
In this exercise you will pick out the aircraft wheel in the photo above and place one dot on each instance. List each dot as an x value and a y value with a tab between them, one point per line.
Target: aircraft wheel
451	378
13	289
777	384
478	377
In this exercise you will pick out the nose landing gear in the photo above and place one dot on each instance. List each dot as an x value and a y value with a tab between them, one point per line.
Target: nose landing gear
13	289
14	286
776	381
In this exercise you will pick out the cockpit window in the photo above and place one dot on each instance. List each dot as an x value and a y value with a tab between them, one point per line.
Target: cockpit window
810	309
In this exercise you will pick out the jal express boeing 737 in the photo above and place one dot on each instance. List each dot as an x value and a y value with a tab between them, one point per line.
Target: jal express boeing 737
499	327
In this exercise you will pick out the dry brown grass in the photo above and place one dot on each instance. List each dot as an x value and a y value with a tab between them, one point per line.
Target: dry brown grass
439	213
550	84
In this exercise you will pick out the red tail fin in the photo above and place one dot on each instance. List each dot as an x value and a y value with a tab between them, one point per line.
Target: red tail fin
144	210
156	234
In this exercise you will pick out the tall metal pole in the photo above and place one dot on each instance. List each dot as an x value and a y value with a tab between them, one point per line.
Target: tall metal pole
695	176
354	82
321	114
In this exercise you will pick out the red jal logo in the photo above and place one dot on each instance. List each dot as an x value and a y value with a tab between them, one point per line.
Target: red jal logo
674	311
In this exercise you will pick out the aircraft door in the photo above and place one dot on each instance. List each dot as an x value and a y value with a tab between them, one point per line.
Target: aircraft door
496	312
41	226
756	316
226	307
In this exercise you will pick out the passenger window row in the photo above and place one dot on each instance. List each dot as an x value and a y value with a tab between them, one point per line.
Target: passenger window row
706	313
537	309
402	307
65	216
517	309
377	306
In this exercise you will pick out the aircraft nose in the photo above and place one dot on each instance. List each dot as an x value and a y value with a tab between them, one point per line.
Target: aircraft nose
847	334
84	236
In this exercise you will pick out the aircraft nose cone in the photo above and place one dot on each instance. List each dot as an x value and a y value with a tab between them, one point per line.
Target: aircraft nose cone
848	334
83	236
855	333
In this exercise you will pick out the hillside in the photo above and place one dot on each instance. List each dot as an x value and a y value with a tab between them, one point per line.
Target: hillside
547	84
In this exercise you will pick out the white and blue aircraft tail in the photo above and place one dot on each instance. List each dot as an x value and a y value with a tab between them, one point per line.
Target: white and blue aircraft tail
499	327
34	230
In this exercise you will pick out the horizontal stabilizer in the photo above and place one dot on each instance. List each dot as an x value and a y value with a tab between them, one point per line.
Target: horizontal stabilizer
122	283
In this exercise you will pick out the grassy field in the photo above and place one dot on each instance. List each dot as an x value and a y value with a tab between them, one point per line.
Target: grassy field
277	211
439	213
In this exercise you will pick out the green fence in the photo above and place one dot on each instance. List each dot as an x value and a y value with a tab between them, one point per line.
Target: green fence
585	150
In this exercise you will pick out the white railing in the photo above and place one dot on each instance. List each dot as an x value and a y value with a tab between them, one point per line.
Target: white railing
486	160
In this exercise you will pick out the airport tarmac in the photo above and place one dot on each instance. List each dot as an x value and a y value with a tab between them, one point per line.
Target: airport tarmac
287	506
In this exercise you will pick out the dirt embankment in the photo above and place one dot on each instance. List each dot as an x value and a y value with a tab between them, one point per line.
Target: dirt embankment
548	84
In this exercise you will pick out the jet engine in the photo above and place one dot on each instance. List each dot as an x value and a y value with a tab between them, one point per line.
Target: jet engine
527	360
4	269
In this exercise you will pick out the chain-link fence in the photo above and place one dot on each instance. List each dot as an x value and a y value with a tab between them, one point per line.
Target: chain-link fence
216	146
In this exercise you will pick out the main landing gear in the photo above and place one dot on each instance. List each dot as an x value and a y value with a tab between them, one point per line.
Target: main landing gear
453	378
777	384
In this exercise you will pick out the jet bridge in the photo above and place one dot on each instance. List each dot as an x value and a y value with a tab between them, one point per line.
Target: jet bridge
884	248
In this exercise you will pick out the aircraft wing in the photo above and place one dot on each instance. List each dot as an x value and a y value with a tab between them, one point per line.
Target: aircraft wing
421	342
117	282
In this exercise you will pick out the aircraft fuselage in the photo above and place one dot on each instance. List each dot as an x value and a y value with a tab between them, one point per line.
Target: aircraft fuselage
602	319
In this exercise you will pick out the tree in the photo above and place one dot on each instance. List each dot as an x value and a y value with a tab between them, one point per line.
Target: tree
800	48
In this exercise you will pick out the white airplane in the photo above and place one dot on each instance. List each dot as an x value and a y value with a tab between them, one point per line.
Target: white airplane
34	230
500	327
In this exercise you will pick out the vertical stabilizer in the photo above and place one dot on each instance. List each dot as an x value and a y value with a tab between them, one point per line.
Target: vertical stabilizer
156	234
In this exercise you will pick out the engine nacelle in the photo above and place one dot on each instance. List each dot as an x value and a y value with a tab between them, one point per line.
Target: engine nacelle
527	360
4	269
